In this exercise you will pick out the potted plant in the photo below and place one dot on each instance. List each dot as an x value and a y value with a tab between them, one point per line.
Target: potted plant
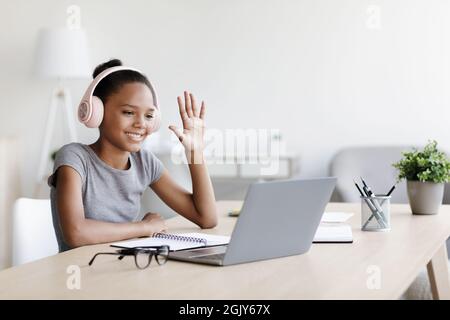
426	173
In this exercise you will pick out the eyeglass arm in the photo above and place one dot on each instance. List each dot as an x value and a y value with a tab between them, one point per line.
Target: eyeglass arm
109	253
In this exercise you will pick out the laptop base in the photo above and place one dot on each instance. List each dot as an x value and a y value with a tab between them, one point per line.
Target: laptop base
212	255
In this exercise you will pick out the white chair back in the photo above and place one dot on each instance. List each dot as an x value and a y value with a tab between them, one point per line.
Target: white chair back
374	164
33	234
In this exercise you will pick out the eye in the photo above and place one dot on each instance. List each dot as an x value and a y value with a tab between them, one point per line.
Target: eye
149	116
128	113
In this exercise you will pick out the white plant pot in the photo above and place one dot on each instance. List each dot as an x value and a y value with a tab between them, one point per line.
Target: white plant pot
425	197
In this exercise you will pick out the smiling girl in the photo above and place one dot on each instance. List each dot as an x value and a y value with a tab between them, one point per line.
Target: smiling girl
96	189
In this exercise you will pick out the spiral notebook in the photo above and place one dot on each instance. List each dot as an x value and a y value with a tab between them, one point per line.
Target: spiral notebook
176	242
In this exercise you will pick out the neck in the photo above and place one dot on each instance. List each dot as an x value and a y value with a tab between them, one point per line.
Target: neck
111	155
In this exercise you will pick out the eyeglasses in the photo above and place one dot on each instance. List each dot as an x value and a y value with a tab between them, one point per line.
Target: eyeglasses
142	255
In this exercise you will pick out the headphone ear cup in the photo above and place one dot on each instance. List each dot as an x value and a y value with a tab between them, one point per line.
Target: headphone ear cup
156	123
97	113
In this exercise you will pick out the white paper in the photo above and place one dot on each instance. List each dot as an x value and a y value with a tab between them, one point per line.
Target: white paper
334	233
174	245
336	216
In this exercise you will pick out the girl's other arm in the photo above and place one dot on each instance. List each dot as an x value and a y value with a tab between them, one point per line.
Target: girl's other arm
199	206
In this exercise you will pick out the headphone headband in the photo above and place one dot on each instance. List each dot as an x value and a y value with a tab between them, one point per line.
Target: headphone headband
87	97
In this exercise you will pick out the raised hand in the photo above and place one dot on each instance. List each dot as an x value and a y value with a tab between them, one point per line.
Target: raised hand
192	117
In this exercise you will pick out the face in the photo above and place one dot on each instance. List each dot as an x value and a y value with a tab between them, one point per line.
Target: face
128	115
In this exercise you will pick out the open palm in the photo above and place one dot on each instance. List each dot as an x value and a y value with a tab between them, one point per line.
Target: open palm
192	117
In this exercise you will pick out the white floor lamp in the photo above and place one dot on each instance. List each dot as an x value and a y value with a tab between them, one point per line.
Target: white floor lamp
61	54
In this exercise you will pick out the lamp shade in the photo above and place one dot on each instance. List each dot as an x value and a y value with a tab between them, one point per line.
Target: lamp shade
62	53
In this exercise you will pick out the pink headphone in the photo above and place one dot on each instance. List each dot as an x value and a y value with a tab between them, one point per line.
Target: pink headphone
90	110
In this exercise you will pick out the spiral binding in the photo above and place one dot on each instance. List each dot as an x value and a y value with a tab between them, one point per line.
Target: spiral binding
180	238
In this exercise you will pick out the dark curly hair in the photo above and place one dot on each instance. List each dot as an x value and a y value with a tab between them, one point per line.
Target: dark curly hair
114	81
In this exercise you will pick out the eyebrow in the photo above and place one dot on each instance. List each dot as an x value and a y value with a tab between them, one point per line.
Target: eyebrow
136	107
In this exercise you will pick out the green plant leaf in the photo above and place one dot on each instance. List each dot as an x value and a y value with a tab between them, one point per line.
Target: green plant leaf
427	165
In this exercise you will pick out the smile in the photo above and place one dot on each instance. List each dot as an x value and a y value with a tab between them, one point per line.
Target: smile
135	136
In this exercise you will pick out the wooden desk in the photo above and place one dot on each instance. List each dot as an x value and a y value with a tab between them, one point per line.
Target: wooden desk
327	271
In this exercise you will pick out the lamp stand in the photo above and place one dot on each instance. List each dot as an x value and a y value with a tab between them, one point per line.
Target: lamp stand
59	94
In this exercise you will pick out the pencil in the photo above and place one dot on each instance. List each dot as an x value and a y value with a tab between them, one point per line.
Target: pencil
359	189
390	191
364	183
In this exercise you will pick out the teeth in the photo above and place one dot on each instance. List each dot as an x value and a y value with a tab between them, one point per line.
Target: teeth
135	136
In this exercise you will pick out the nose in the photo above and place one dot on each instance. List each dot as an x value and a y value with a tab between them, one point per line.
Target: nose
139	121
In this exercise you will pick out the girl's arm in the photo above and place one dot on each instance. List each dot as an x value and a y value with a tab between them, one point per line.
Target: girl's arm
80	231
200	206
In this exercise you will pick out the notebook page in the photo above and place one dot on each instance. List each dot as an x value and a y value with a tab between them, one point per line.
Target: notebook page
337	217
211	239
334	233
174	245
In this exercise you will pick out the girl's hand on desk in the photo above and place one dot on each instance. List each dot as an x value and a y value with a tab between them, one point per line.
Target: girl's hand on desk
192	118
153	223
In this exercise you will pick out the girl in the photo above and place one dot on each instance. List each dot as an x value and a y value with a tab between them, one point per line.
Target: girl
96	189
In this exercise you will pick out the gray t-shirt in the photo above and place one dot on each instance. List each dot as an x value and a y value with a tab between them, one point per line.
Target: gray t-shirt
109	194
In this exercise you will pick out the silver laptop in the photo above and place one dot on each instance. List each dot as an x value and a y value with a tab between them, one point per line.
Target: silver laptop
278	219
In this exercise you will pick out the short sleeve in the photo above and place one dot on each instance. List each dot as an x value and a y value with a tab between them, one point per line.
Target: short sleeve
154	167
71	155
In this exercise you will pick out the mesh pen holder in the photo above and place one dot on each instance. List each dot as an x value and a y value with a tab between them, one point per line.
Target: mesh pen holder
375	213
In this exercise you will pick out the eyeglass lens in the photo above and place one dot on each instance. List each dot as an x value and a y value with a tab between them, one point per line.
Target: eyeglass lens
162	254
142	258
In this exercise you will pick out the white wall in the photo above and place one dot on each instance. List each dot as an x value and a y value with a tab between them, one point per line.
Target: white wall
312	68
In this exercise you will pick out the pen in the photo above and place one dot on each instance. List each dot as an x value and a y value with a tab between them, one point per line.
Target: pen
369	192
390	191
388	194
375	203
359	189
371	206
364	183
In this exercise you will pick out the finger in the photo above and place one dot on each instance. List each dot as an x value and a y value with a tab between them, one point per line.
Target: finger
202	110
194	105
177	132
183	114
187	102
